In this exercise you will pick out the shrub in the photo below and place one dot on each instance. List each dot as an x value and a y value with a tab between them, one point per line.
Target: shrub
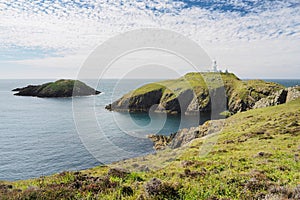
116	172
156	189
126	191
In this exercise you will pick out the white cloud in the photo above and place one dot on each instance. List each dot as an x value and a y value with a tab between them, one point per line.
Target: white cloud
74	28
69	61
267	59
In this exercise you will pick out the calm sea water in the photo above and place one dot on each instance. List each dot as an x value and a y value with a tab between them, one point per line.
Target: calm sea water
285	82
42	136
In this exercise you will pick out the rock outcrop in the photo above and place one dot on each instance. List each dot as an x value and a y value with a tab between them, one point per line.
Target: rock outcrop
293	93
186	135
161	141
193	93
60	88
279	97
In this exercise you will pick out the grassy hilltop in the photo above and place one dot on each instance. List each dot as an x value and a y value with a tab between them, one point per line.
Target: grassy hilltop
193	92
256	156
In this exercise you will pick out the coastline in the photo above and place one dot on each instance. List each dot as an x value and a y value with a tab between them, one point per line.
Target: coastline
246	150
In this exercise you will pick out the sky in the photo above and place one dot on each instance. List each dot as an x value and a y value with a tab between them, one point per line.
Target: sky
53	38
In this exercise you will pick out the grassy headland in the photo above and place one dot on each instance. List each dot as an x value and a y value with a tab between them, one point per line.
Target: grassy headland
191	93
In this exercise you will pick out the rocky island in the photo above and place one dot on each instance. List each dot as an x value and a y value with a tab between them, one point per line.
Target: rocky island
60	88
191	93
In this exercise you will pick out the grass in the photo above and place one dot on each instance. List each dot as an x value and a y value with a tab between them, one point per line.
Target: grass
195	81
61	86
256	155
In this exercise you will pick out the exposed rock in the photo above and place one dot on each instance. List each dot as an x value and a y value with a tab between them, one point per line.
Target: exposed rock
193	107
279	97
293	93
178	104
60	88
137	102
186	135
160	141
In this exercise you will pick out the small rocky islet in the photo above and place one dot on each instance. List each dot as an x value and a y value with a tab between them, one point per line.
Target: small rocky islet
60	88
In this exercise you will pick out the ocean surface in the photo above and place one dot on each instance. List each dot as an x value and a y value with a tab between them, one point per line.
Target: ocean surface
42	136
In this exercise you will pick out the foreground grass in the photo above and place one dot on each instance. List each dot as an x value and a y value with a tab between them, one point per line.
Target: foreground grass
256	156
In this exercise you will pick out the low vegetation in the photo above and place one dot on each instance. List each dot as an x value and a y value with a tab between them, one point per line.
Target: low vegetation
256	156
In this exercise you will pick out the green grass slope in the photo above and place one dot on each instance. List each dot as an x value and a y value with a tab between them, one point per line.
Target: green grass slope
256	156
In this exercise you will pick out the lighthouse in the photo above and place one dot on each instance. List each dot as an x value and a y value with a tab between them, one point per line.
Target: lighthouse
214	66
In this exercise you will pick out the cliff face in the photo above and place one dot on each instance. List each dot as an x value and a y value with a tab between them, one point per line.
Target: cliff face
141	102
60	88
192	93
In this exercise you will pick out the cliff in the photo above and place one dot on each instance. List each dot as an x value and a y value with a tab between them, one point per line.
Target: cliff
191	93
60	88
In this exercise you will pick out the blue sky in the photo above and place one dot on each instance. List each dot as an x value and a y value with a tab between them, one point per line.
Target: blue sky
52	38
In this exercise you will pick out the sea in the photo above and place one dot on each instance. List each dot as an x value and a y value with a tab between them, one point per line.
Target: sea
43	136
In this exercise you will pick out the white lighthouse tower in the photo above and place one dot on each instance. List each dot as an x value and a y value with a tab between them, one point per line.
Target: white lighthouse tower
214	66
